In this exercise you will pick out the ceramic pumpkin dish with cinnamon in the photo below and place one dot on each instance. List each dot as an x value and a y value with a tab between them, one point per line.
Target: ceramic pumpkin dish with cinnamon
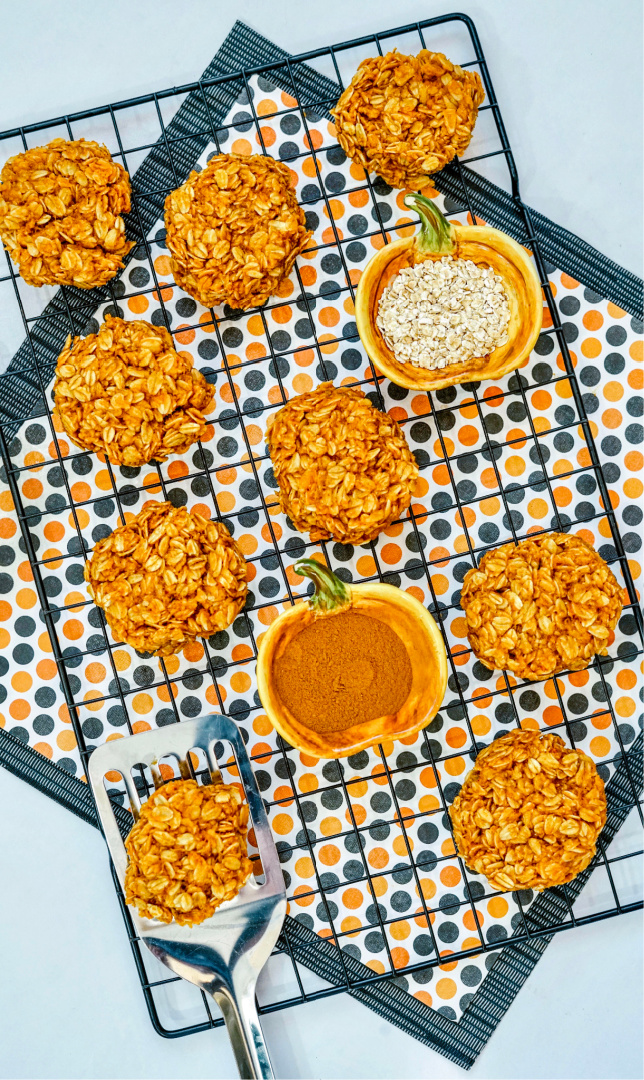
351	666
436	240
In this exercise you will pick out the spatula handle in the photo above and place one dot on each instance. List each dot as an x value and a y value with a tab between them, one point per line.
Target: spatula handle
245	1034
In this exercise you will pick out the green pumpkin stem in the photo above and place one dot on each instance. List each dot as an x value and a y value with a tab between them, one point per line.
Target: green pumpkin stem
331	594
435	234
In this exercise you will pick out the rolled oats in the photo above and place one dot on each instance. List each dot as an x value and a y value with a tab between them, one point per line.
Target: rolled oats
404	117
125	392
545	605
443	311
187	852
344	468
166	578
529	813
61	208
235	230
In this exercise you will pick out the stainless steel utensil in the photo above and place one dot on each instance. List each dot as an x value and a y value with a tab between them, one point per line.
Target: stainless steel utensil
224	954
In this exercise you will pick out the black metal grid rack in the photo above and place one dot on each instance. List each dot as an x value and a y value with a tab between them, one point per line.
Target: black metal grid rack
174	153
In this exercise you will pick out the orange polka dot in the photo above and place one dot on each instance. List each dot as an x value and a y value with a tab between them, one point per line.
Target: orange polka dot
138	304
282	824
593	320
26	598
591	347
242	146
73	629
612	418
454	766
399	957
32	488
515	465
95	672
599	746
46	669
613	391
470	920
329	854
66	740
366	566
240	682
378	858
468	435
268	135
352	898
450	876
624	706
541	399
446	989
497	907
299	894
54	531
634	461
480	725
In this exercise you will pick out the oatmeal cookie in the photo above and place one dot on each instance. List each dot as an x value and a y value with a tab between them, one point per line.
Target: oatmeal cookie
167	577
235	230
545	605
344	468
125	392
61	208
404	117
187	852
529	813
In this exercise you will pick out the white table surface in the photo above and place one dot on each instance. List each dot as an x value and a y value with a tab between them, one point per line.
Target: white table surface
567	76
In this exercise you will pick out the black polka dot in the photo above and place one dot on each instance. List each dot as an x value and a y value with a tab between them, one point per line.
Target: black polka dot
616	335
496	933
611	445
35	434
544	345
335	182
139	277
447	932
24	624
569	305
43	724
355	252
288	151
290	124
570	332
590	375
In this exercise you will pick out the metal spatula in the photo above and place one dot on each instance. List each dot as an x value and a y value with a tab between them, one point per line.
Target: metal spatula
224	954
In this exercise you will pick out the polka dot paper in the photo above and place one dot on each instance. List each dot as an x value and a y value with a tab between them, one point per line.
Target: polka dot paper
365	843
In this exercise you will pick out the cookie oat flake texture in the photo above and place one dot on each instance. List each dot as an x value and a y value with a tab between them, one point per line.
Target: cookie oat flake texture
167	577
544	605
234	230
405	117
61	208
529	813
127	393
344	468
187	852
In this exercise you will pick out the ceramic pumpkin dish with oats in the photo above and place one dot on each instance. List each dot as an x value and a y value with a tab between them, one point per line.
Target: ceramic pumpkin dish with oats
509	275
350	667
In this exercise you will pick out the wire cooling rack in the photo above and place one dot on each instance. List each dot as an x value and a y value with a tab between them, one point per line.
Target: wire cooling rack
306	79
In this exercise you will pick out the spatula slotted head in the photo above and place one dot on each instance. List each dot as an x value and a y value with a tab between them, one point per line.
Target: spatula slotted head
253	919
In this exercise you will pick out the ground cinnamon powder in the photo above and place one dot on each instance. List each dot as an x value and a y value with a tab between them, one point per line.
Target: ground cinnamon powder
342	670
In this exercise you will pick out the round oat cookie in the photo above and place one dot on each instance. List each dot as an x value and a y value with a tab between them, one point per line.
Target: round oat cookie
167	577
201	831
405	117
529	813
125	392
234	230
344	468
61	208
544	605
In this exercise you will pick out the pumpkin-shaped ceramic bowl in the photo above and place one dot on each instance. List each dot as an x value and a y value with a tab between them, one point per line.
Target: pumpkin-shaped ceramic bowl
402	613
436	239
